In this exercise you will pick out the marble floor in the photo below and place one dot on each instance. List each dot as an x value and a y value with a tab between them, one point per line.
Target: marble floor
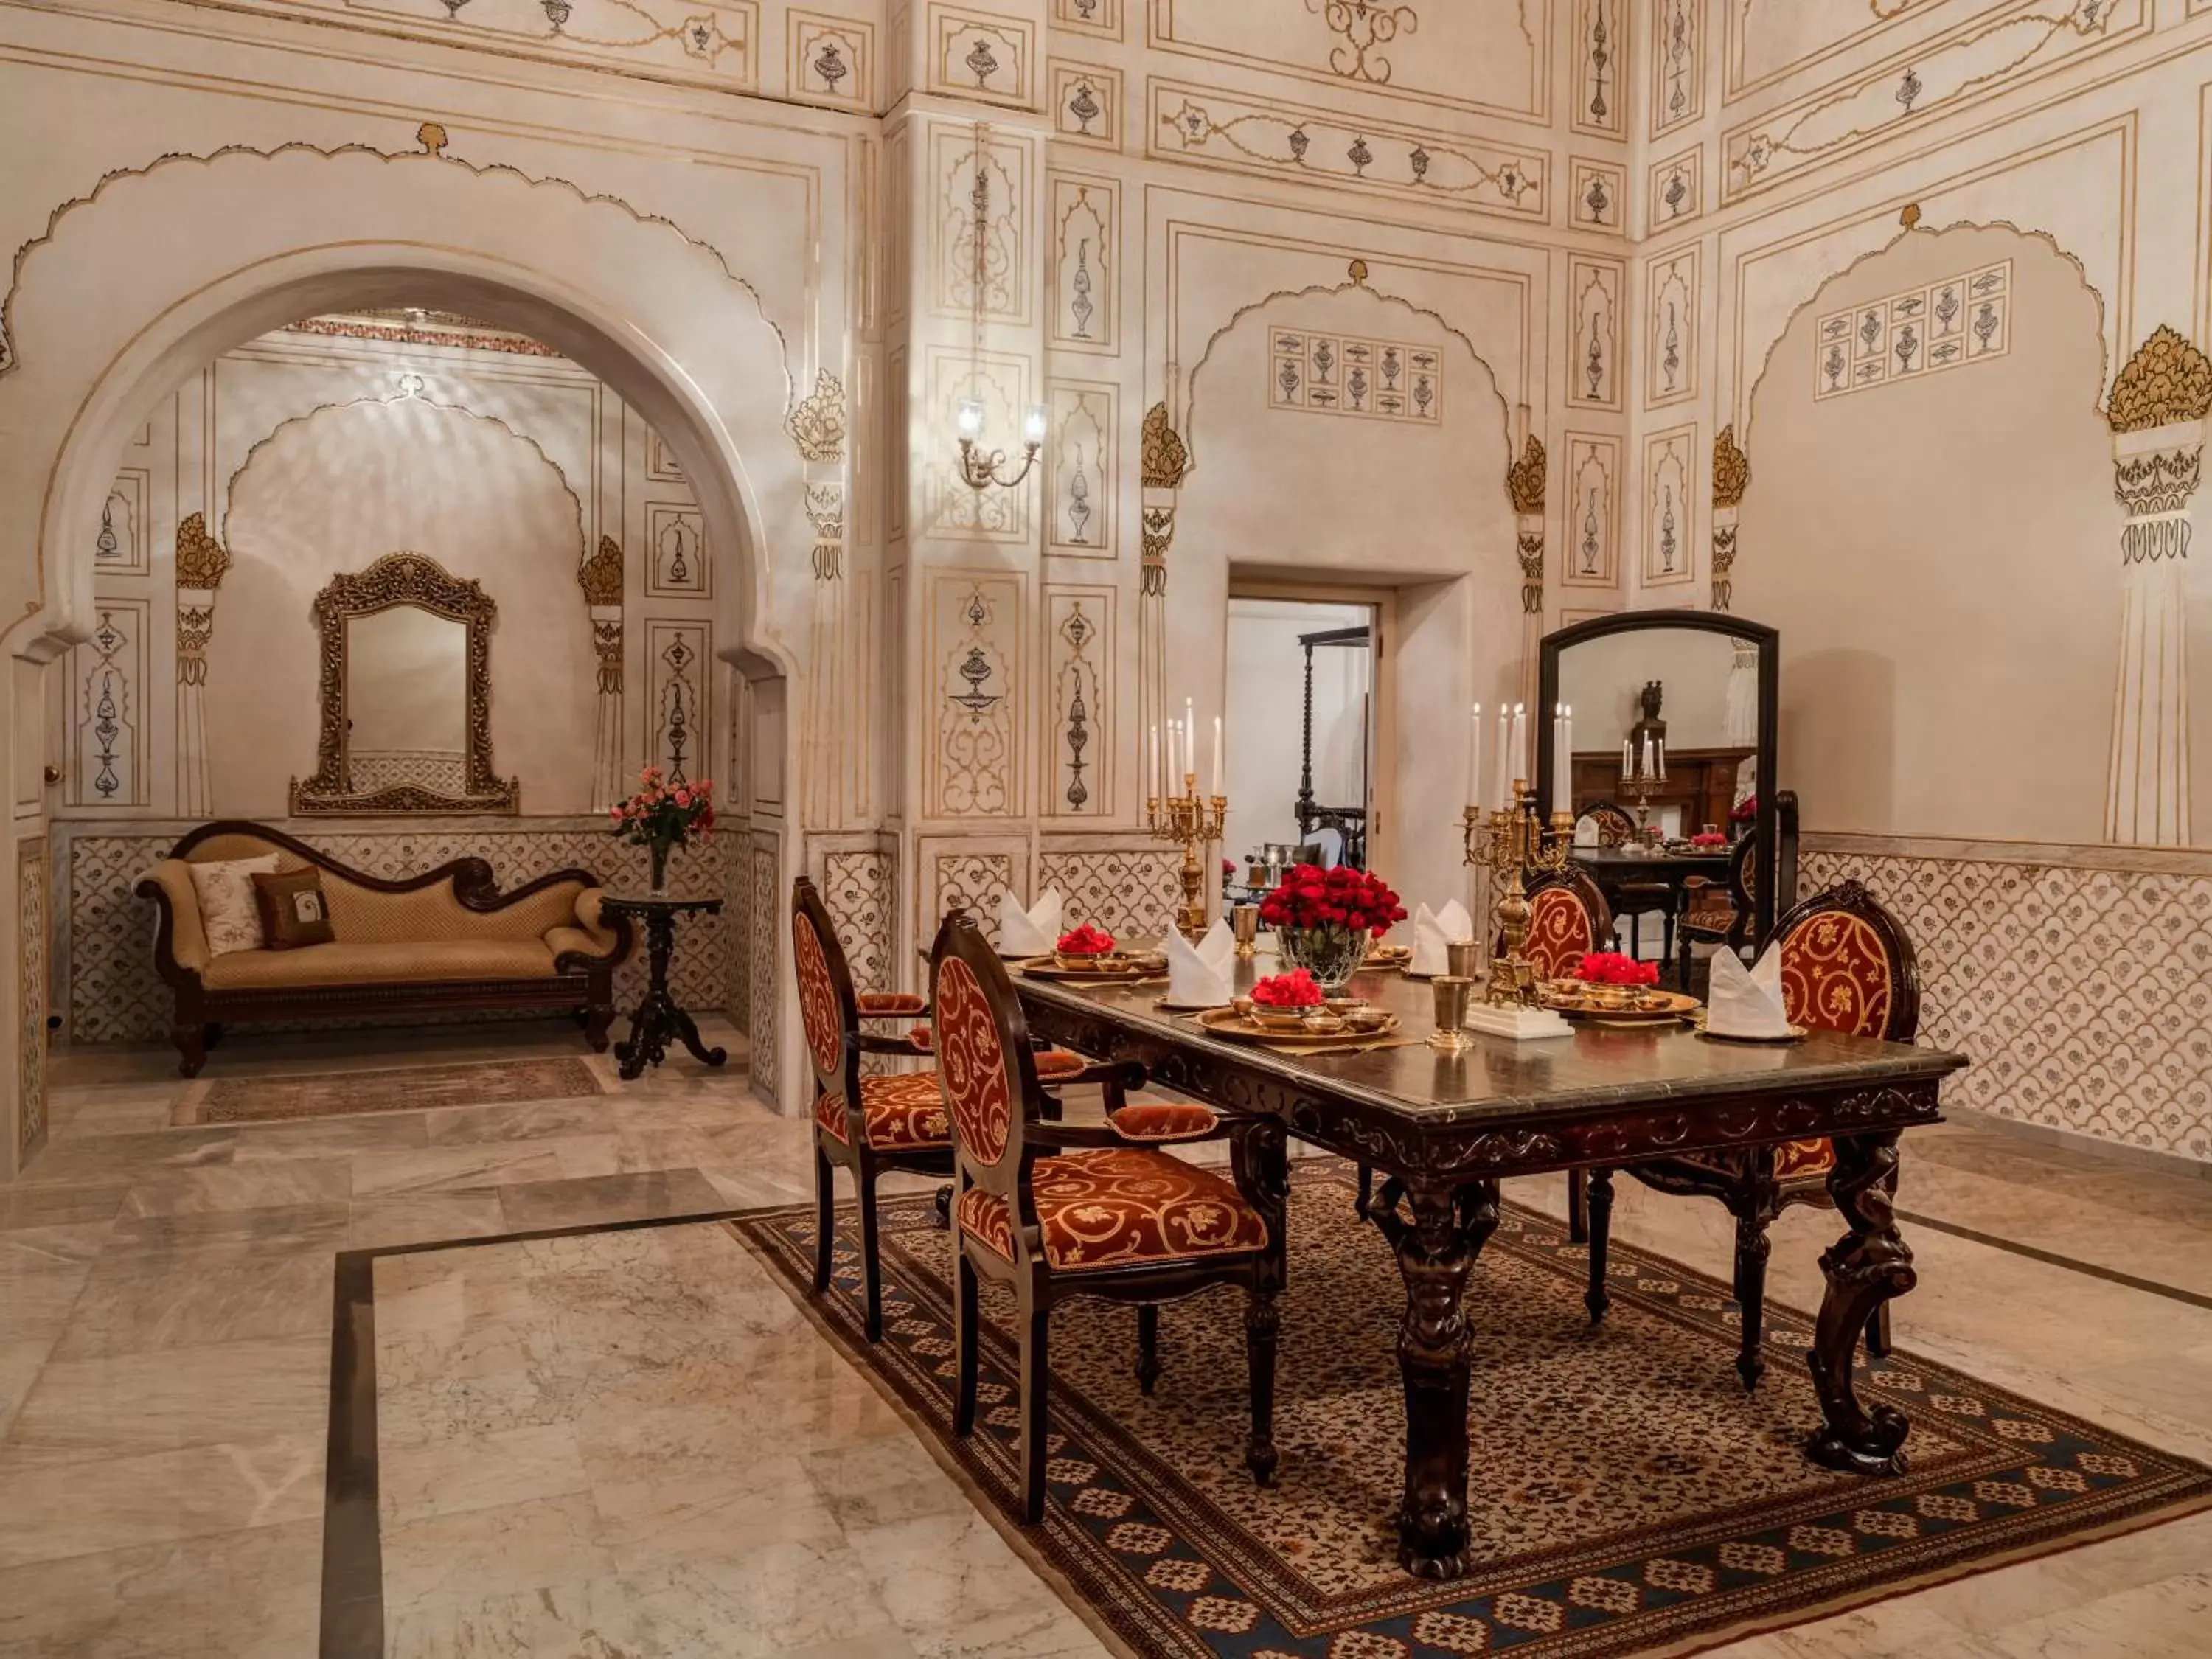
165	1299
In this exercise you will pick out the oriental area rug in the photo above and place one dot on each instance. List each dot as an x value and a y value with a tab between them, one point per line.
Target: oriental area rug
1627	1496
390	1089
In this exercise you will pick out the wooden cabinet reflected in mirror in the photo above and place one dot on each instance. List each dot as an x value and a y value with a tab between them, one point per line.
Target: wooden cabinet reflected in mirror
406	694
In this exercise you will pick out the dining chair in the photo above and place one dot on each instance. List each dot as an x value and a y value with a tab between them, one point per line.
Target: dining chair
1719	913
1846	966
868	1121
1055	1210
1616	827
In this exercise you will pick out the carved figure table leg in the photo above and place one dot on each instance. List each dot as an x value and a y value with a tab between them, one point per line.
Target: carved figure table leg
1865	1268
658	1019
1260	1159
1437	1229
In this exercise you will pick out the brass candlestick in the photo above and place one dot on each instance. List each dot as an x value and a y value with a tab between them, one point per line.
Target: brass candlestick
1197	821
1510	845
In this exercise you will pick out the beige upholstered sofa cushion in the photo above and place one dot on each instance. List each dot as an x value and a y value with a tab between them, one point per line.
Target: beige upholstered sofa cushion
409	961
224	889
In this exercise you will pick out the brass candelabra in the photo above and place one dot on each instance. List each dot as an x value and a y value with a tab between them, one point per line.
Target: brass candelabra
1196	821
1511	844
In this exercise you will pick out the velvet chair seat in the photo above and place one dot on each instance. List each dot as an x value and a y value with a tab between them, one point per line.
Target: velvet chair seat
905	1113
1113	1206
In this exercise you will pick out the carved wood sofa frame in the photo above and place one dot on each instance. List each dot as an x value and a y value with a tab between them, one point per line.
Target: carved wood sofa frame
580	983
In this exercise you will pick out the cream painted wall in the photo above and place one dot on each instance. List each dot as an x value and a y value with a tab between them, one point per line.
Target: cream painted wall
1602	679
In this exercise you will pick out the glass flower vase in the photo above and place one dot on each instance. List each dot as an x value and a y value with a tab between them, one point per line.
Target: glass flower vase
1331	955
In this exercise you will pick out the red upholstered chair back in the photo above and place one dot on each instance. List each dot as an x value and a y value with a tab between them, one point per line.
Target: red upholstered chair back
983	1056
828	1007
1616	825
1567	919
1847	966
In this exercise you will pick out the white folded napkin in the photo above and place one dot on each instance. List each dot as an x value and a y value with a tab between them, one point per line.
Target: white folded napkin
1033	932
1747	1002
1434	929
1202	975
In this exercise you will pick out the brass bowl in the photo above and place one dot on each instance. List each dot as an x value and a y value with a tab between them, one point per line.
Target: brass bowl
1102	962
1278	1019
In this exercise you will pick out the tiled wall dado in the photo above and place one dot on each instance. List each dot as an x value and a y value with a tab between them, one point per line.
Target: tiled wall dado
104	966
2083	996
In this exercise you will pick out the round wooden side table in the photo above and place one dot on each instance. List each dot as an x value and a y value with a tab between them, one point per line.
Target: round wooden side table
658	1018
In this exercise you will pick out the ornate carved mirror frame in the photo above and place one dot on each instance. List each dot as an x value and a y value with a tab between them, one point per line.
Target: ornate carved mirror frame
399	579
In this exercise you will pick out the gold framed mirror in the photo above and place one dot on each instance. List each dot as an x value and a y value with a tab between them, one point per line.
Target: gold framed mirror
406	694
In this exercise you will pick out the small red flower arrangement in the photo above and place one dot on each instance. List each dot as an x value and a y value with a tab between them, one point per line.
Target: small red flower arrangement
1086	941
1745	811
1312	897
1709	838
665	813
1611	967
1296	989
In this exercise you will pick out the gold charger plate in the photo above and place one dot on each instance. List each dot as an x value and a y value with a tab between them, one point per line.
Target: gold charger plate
1797	1034
1389	956
1228	1023
1561	1002
1130	969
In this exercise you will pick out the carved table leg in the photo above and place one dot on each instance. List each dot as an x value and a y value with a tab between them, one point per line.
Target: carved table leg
1599	1230
1436	1246
658	1019
1753	1202
1260	1158
1865	1268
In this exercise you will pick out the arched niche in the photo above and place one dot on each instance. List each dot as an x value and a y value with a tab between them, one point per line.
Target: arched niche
1416	505
1933	539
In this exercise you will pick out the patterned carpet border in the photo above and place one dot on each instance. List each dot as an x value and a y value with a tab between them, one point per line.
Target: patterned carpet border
1157	1563
301	1094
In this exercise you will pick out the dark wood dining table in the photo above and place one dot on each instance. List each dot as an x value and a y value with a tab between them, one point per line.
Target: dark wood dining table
1444	1128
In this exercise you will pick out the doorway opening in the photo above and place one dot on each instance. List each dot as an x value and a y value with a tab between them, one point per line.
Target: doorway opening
1304	733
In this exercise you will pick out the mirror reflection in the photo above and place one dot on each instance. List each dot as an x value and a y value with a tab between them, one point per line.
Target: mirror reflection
406	701
1664	736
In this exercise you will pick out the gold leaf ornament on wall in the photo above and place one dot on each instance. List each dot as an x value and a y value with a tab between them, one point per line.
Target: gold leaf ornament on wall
1162	457
600	576
1731	469
2167	381
1524	478
817	425
200	559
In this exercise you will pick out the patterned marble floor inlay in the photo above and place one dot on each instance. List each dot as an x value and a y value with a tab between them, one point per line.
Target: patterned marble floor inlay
395	1089
1628	1497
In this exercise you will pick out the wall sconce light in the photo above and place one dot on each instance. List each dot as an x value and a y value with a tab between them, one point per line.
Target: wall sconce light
983	468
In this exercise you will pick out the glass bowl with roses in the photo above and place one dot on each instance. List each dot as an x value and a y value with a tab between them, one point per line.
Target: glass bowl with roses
1324	918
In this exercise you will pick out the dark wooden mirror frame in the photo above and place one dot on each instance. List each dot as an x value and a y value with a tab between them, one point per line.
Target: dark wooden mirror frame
398	579
1769	644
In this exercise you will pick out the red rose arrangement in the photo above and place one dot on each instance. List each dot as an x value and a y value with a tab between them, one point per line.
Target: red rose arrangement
1709	838
1296	989
1611	967
1086	941
1312	897
665	813
1745	810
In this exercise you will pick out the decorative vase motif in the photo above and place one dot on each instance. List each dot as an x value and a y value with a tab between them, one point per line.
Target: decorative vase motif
1331	955
660	850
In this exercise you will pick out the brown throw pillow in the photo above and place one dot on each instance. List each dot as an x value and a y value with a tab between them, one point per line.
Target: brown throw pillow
294	911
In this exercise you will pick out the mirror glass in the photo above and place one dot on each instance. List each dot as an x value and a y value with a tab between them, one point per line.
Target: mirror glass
406	701
1665	726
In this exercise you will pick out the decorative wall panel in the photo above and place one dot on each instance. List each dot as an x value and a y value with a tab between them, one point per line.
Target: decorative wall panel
124	544
829	59
1344	374
1099	17
765	931
1678	64
1769	41
1128	891
1592	507
679	714
1083	471
1001	384
999	169
1597	193
977	674
861	890
974	881
980	55
1962	319
1670	357
1081	732
1250	135
1085	252
1086	104
1675	190
1983	55
1670	475
677	566
2083	996
31	936
115	996
1600	51
1594	292
660	461
108	743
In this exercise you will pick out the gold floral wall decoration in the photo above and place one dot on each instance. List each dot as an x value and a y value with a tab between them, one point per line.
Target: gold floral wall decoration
1524	482
1731	469
816	424
1163	458
1157	531
200	559
1524	478
2167	380
600	576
